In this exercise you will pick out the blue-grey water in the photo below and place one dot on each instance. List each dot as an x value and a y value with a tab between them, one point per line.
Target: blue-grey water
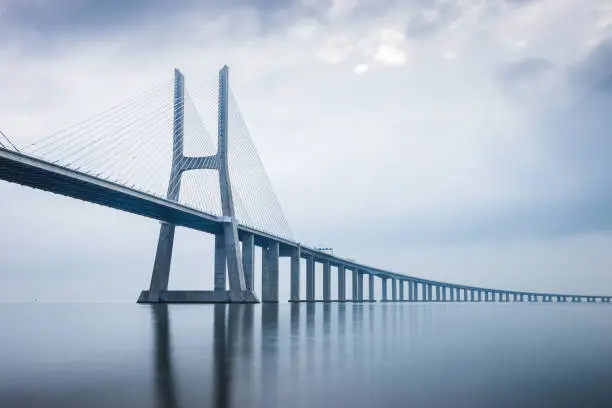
315	355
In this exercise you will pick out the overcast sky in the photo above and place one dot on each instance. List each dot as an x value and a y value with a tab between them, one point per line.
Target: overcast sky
460	140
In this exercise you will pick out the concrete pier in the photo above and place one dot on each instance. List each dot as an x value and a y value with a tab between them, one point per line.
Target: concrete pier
384	289
248	262
371	297
401	290
393	289
220	263
295	274
359	286
310	278
355	296
269	272
326	281
341	283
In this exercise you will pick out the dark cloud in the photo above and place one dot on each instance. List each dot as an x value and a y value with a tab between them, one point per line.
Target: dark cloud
521	2
594	73
429	17
67	19
525	70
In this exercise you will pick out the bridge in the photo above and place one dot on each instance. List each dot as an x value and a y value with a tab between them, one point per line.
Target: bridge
134	158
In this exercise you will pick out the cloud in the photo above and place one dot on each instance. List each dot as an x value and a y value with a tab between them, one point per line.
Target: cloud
430	16
527	69
595	71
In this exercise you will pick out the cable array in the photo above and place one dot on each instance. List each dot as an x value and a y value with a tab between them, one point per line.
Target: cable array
256	203
6	143
131	144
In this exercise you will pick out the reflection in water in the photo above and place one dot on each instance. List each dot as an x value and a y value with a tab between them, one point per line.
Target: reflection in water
164	379
306	355
365	354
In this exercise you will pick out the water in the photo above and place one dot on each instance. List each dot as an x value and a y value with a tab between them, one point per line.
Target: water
316	355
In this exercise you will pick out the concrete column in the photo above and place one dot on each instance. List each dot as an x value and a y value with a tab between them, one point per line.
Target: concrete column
401	290
471	295
371	288
326	281
341	283
248	261
452	294
410	291
465	295
429	292
360	286
310	278
295	274
220	262
161	266
384	289
269	273
437	293
393	289
355	286
480	295
444	293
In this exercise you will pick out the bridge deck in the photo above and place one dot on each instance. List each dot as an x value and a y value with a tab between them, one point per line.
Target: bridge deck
36	173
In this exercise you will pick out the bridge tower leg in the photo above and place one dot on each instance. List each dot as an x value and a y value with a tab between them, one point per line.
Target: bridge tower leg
227	245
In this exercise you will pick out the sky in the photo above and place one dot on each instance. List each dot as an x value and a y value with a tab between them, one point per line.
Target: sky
457	140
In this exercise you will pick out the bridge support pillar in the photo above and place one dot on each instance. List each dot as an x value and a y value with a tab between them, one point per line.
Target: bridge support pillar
359	286
356	285
371	288
269	272
248	260
310	278
429	292
295	273
326	281
393	289
161	266
384	289
341	283
452	294
220	263
401	290
437	293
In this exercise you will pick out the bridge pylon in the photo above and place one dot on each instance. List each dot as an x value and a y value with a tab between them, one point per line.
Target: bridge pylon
227	245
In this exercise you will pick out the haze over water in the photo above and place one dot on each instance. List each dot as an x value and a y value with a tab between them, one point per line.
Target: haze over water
357	355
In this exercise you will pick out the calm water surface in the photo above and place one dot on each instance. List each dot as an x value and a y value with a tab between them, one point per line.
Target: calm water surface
316	355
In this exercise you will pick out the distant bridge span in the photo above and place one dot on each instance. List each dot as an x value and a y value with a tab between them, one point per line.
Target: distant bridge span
235	242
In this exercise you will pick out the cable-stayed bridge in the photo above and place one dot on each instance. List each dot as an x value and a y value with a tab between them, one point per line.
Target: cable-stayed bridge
154	156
